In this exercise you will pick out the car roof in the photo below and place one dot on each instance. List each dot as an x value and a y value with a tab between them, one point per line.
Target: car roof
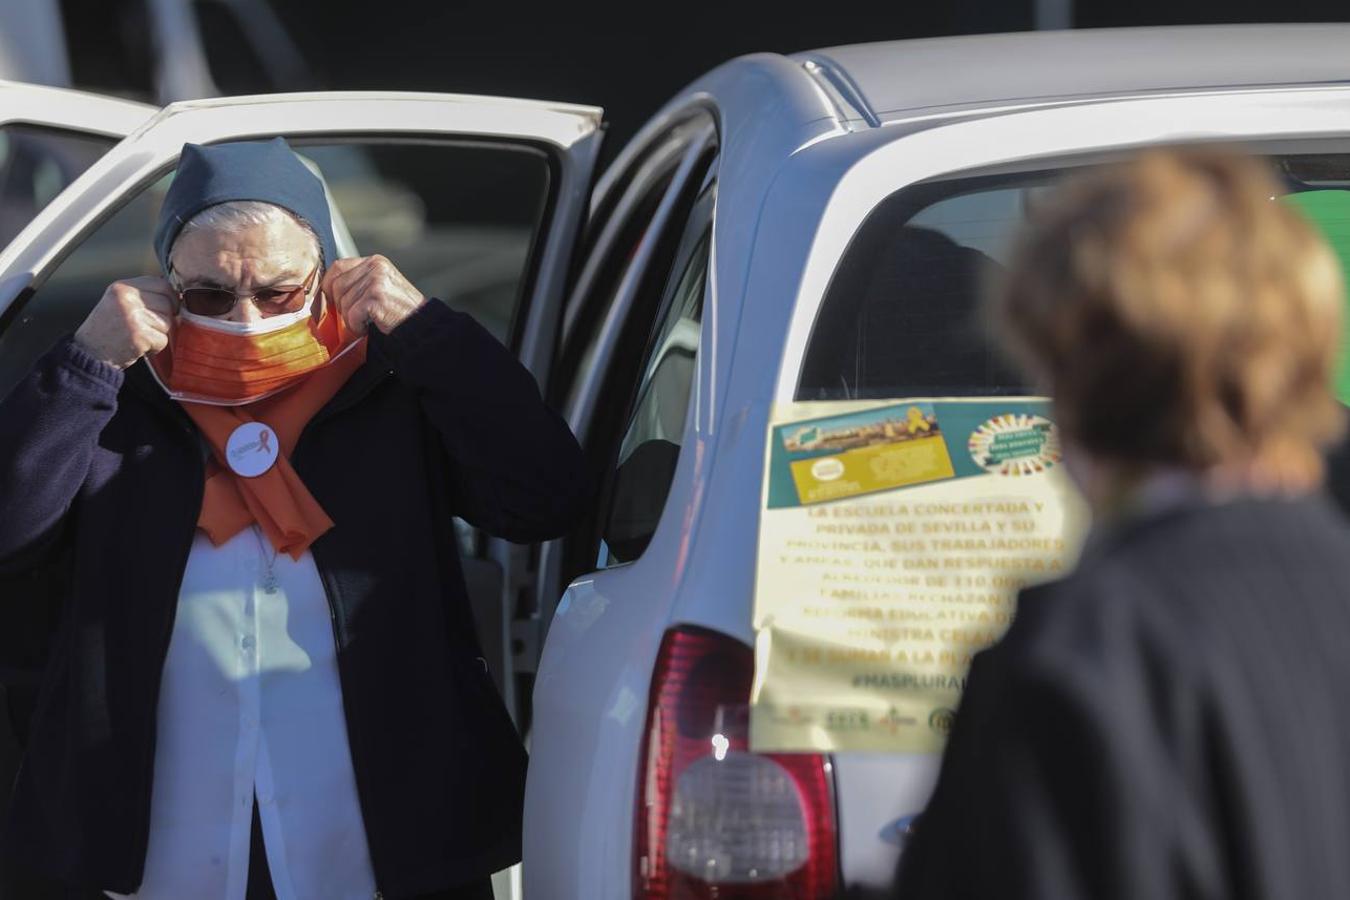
902	79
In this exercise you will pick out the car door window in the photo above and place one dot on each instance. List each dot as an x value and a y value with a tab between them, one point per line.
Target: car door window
640	240
650	446
459	219
36	164
660	385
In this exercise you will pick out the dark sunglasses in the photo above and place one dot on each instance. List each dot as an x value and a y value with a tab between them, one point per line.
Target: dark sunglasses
271	301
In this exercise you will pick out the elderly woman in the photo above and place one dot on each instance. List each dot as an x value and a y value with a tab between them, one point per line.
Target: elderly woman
1173	719
266	681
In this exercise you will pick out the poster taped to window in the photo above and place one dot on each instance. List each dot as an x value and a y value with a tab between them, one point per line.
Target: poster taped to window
894	537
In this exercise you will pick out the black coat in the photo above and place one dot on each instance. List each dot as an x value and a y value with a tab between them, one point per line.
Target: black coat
101	480
1171	721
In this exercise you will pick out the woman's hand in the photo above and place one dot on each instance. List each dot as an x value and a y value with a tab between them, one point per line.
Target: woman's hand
368	290
132	319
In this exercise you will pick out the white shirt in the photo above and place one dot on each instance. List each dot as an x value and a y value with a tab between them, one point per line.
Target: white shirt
250	699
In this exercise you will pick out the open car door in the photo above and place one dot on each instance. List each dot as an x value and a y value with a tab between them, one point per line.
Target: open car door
476	199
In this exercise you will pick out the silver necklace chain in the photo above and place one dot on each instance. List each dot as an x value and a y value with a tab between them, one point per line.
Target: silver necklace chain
269	580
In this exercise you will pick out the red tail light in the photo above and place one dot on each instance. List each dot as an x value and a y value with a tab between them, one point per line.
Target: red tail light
715	820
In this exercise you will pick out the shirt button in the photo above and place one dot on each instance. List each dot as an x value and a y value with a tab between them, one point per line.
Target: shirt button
265	799
247	642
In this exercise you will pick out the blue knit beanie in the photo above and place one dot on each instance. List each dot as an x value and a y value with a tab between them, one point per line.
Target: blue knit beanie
243	170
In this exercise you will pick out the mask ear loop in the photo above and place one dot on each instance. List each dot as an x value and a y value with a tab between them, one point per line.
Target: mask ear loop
320	302
177	308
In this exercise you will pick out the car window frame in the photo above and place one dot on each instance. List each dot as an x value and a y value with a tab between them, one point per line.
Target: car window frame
655	245
622	324
664	165
561	560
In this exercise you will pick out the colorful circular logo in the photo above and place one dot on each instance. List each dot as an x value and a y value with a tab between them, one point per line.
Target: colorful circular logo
1015	444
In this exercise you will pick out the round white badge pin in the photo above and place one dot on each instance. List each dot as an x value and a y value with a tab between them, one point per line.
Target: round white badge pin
251	449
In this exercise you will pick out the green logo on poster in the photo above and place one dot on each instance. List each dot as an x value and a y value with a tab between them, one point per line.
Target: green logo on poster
1015	444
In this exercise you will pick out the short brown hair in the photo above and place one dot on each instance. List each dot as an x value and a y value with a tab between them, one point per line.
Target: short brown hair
1180	313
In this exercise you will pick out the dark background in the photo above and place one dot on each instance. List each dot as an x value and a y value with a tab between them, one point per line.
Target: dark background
627	59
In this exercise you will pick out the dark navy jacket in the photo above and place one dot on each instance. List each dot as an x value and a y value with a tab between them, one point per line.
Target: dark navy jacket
100	485
1169	722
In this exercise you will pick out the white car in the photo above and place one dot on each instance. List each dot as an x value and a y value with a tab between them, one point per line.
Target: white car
811	227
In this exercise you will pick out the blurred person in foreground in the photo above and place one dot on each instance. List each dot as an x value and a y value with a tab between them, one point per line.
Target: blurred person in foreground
266	681
1172	719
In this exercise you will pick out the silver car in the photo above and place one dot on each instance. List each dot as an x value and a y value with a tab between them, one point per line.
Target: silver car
811	228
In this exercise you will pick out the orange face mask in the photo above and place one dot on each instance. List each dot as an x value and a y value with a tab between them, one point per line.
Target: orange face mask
230	368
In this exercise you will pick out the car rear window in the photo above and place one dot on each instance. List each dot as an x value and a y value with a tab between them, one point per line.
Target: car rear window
902	316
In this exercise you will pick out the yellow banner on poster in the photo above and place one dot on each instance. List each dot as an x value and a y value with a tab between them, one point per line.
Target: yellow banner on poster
894	537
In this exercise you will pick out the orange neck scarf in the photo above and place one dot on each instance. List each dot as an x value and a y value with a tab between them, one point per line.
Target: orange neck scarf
277	500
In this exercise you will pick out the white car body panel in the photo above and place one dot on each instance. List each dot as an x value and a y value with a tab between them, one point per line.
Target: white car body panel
71	110
796	180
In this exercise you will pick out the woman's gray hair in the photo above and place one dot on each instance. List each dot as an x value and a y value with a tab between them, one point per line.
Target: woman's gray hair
235	215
